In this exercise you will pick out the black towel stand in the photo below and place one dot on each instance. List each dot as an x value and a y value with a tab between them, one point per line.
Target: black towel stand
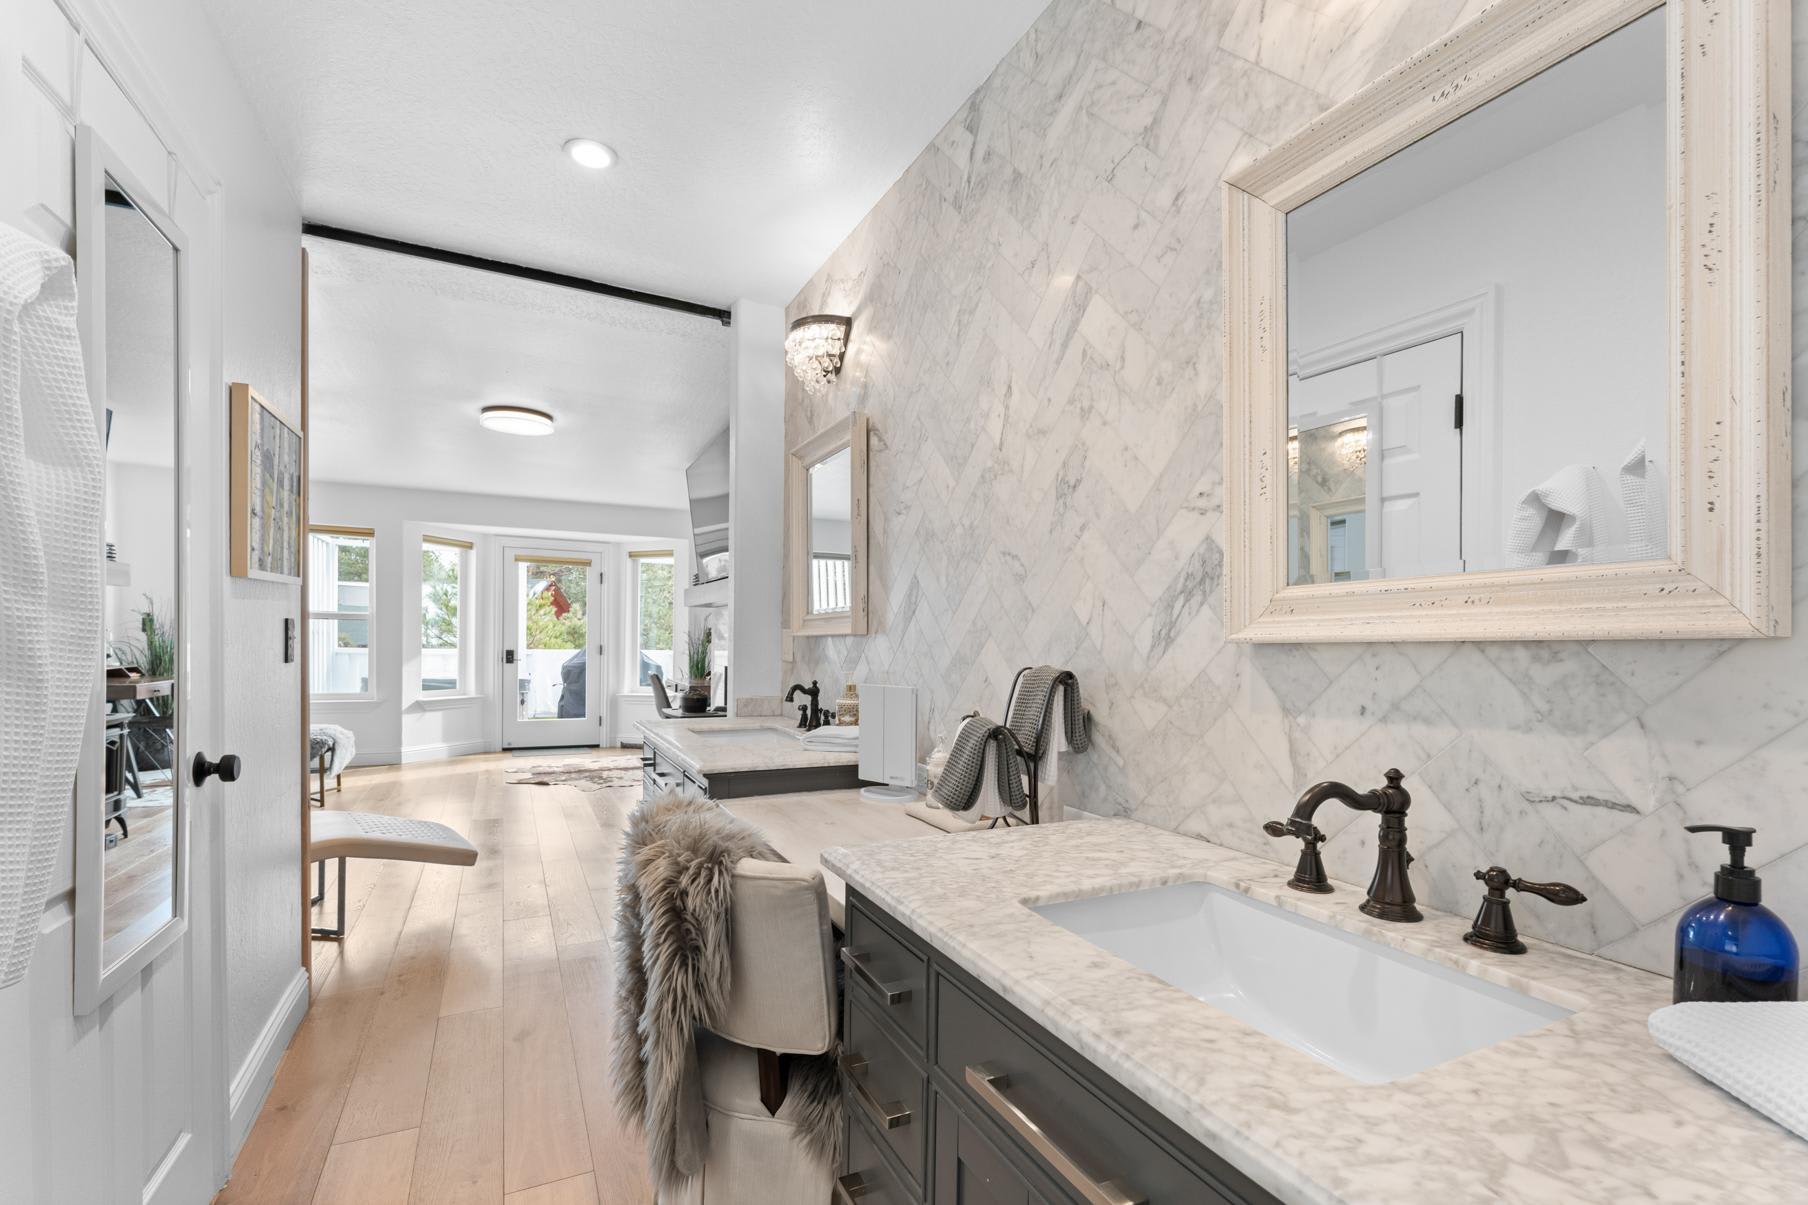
1031	758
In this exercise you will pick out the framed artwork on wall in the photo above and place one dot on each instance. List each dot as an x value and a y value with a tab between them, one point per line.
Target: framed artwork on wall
266	490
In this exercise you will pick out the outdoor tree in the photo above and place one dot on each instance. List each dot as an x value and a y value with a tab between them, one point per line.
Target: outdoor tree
354	560
439	598
558	606
655	605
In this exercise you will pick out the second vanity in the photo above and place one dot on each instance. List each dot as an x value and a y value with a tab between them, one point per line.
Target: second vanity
733	759
1001	1043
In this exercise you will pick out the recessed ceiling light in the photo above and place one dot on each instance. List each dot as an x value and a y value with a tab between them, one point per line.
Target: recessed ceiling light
590	153
516	420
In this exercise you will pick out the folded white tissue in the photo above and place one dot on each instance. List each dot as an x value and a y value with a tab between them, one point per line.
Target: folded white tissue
1757	1050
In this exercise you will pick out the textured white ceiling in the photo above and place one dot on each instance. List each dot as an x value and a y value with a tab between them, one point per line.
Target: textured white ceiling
753	134
406	351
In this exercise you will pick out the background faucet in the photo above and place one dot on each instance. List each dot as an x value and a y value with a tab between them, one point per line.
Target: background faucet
809	716
1390	891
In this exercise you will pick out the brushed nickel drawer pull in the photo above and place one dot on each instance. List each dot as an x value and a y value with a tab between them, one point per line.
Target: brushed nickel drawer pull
856	962
989	1083
885	1116
850	1188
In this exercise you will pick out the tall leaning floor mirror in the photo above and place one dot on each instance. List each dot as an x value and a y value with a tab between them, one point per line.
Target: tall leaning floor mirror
131	828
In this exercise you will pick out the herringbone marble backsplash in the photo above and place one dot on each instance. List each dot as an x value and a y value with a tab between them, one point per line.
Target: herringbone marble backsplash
1036	340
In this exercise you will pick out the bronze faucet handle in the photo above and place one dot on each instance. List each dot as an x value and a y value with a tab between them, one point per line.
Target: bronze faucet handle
1309	874
1494	929
1557	893
1303	829
1499	879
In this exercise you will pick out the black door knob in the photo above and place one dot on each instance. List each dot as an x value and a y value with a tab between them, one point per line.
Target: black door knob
227	768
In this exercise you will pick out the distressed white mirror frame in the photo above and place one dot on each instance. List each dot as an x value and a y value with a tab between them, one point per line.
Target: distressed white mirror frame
96	980
1728	173
849	433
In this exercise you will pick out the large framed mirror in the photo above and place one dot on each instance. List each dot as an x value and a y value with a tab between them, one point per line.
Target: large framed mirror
132	823
825	499
1508	339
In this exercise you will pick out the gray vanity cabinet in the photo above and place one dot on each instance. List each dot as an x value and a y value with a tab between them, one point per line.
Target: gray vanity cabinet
660	771
954	1097
970	1170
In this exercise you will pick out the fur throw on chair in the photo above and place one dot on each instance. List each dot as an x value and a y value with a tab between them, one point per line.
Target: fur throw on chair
672	976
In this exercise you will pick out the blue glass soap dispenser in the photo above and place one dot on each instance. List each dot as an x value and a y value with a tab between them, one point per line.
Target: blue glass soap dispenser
1729	946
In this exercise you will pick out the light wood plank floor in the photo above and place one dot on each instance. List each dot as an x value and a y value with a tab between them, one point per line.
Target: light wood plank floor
457	1049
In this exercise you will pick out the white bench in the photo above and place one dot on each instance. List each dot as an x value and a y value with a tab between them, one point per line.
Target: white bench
342	835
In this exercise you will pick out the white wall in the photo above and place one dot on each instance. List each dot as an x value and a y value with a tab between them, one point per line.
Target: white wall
756	419
141	521
1578	346
84	1110
398	723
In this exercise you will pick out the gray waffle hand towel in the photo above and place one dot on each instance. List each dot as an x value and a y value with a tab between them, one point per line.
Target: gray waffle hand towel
1034	699
961	780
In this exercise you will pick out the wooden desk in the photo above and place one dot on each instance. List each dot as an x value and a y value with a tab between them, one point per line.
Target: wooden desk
121	690
801	826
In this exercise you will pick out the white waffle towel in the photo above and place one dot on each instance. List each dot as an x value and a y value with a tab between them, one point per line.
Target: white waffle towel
1050	807
1571	518
51	475
1647	505
1757	1050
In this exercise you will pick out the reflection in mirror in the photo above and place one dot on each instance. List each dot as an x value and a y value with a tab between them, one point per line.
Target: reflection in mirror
1328	478
141	793
831	532
1479	375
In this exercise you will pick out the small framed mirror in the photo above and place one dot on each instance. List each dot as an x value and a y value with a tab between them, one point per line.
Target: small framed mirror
131	830
825	499
1508	340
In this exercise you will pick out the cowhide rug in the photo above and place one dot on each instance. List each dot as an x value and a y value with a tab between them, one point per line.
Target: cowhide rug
595	774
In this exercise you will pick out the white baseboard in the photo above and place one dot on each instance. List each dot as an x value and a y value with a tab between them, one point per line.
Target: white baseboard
251	1082
414	753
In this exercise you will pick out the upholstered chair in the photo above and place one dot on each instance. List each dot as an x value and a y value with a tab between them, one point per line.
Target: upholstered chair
783	1003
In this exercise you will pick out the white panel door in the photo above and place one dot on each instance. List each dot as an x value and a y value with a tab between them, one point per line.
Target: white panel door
1420	448
552	646
124	1103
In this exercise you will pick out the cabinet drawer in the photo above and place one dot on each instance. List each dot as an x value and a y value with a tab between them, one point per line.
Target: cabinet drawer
968	1169
869	1178
888	974
885	1086
1081	1141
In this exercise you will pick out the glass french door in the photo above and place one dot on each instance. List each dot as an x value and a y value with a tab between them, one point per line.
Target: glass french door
552	650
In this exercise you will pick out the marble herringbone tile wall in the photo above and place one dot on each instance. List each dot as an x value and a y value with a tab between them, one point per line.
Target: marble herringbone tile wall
1036	340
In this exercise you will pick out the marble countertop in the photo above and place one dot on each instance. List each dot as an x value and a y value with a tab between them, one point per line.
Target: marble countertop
1587	1108
711	746
801	825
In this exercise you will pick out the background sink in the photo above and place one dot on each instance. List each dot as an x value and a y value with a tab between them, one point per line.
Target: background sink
1374	1013
744	736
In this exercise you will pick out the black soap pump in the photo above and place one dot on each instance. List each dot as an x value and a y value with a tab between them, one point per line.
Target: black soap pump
1729	946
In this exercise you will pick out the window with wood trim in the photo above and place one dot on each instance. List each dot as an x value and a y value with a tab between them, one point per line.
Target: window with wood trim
445	615
340	611
652	583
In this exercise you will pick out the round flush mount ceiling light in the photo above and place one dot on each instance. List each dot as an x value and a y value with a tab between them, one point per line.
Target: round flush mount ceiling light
516	420
588	152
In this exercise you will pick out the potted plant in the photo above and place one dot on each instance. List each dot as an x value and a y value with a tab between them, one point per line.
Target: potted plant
696	663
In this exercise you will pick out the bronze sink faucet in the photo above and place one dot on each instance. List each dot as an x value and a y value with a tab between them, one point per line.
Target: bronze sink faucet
1390	891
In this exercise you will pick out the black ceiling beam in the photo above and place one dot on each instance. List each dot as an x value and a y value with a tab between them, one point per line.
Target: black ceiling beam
504	268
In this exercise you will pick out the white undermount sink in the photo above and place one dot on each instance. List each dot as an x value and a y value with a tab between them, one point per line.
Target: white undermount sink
1374	1013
